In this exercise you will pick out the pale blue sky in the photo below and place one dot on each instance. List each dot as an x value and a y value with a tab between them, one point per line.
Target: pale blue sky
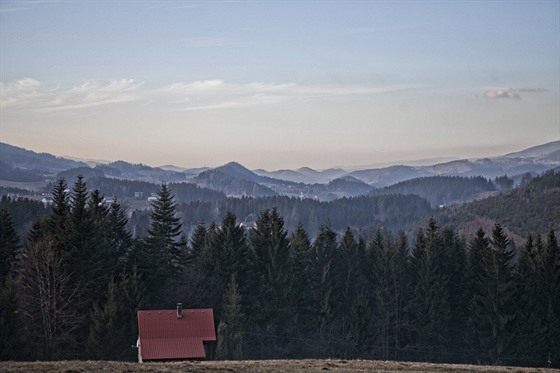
279	84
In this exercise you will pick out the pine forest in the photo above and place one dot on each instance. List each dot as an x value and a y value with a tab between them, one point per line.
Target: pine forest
73	281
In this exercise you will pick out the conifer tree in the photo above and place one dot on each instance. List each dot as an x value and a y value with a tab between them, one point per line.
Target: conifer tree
431	294
325	248
80	244
270	274
494	302
132	298
479	251
9	244
390	290
354	307
165	248
527	325
548	272
60	225
227	256
230	329
199	241
456	268
107	336
302	279
11	323
10	320
401	293
119	238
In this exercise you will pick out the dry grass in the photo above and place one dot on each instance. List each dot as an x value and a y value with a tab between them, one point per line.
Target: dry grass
263	366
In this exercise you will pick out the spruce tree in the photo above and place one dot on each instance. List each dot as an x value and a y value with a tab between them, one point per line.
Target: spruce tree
10	320
119	238
164	258
270	282
479	251
60	225
227	256
325	249
495	299
528	324
231	326
199	241
301	273
107	333
430	302
9	244
548	274
456	268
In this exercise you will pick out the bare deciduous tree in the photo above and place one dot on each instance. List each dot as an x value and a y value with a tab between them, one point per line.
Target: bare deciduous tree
47	299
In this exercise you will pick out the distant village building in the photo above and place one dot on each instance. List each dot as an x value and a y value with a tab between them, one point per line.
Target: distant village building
47	200
153	197
138	195
175	334
109	200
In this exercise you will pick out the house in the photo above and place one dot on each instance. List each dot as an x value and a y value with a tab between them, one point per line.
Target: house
175	334
47	200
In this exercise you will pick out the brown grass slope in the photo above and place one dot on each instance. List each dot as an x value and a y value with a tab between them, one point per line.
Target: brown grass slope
262	366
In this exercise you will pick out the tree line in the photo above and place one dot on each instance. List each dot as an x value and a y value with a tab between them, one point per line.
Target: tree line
71	291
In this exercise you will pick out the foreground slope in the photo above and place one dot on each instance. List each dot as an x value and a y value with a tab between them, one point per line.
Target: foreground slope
261	366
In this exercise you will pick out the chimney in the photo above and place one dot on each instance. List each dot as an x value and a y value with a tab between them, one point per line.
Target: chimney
179	310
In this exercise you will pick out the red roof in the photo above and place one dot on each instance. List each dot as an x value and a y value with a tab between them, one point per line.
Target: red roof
164	336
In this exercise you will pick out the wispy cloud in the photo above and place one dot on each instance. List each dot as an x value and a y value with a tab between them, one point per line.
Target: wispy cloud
31	94
21	5
512	93
217	94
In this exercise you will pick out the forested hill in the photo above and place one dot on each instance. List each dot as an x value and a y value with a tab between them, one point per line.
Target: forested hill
534	208
35	163
441	190
278	294
391	212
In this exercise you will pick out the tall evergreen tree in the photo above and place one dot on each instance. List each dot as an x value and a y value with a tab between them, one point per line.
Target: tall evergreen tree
199	241
270	282
230	329
165	248
325	249
9	244
302	279
456	268
107	337
119	239
390	291
10	320
354	309
11	323
431	294
495	300
527	326
548	272
60	225
227	256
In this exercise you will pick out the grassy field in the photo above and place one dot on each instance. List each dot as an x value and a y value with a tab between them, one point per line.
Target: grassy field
263	366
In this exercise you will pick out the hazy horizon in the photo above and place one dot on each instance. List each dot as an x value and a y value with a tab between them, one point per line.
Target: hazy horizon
279	85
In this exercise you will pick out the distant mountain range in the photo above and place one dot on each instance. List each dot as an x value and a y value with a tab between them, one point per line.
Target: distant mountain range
233	179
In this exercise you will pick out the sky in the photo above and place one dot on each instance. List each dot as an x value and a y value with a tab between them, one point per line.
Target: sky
279	84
